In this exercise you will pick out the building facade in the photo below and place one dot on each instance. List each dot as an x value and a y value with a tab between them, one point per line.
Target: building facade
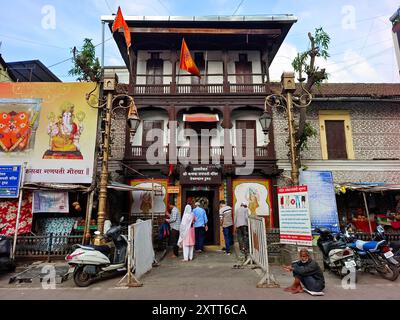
357	126
220	110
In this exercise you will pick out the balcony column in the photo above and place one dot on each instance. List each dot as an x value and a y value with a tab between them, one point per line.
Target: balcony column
225	72
227	126
132	73
265	68
173	59
172	127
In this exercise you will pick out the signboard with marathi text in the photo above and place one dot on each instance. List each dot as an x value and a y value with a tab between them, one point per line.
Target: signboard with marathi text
200	174
323	207
51	127
294	216
10	177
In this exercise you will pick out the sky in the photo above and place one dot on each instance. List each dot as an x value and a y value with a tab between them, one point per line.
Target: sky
361	48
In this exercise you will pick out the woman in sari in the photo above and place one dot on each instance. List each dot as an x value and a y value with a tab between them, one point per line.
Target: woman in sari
187	236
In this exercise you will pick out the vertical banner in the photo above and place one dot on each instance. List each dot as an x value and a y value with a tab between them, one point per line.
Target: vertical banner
10	177
323	207
294	216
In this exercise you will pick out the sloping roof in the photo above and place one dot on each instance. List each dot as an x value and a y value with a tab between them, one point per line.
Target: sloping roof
5	66
31	71
367	90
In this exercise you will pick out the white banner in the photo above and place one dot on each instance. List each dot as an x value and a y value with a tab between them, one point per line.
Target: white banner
294	216
48	201
143	248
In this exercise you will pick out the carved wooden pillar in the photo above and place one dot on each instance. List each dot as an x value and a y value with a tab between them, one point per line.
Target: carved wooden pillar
132	72
172	126
225	72
173	60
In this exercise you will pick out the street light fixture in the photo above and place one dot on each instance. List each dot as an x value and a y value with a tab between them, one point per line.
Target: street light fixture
287	101
109	87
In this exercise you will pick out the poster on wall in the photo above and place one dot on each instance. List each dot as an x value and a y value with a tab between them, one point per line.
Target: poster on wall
323	207
51	127
141	200
294	216
48	201
256	193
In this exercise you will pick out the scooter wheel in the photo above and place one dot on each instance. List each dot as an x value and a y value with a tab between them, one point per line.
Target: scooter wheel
81	278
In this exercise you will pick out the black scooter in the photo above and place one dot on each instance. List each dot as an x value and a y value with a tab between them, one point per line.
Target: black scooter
6	263
394	245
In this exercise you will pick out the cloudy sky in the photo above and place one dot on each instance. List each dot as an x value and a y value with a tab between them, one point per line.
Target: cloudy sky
361	46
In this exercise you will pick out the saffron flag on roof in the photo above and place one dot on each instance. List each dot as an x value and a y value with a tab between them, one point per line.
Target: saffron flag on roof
187	63
120	22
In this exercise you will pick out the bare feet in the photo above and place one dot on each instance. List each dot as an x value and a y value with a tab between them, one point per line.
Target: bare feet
298	290
185	260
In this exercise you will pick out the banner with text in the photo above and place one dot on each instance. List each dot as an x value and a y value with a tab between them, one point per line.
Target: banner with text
50	126
294	216
323	207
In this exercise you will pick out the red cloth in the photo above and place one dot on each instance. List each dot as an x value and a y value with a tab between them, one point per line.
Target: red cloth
187	63
364	226
121	23
8	215
396	224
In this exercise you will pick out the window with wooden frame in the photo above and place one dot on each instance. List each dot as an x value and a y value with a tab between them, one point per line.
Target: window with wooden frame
336	135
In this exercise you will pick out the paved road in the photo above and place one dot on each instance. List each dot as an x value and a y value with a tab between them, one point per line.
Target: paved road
209	277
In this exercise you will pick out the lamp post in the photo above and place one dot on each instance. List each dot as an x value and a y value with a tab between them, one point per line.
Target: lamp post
288	101
110	84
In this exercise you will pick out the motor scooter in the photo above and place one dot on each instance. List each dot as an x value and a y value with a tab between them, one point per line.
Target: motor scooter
91	263
337	256
394	245
7	264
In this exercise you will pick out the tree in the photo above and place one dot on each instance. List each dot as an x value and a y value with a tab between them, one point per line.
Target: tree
86	66
305	65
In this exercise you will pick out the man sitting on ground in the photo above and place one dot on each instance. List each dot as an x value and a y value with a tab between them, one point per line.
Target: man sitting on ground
306	272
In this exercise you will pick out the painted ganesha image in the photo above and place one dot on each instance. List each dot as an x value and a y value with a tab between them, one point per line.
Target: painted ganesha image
65	134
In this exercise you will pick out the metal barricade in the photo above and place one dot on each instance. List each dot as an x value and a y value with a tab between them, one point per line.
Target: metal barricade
259	251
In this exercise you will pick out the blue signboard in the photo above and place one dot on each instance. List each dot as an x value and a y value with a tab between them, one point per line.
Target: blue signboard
10	177
322	199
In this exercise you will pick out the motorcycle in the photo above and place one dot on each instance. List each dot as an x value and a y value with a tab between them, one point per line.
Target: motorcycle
395	245
374	255
91	263
337	256
7	264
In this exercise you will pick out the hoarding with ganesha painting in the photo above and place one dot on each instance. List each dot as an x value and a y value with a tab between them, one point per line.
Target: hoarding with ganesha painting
50	126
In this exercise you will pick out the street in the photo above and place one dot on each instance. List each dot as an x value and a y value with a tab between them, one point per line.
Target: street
209	277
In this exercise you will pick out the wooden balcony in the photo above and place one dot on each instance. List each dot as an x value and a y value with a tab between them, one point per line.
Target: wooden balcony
139	153
176	88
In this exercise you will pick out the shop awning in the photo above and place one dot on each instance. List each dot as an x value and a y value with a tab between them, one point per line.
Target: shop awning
201	117
370	187
124	187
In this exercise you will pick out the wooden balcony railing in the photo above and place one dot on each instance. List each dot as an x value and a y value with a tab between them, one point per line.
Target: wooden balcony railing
217	85
140	153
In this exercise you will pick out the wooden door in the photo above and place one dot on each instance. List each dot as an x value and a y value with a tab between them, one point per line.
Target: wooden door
147	127
244	69
245	125
336	139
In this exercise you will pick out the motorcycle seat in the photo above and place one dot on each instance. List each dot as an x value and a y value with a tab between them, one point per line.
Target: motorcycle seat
368	245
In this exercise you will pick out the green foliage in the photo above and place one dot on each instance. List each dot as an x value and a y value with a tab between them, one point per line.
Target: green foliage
86	66
305	61
309	132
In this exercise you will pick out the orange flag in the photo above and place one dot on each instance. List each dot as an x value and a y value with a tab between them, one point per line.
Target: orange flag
121	23
187	62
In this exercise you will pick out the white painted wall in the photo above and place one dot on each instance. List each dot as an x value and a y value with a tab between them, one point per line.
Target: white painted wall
148	116
248	115
215	66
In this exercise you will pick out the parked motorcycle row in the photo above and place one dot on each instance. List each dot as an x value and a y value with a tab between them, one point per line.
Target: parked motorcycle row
343	253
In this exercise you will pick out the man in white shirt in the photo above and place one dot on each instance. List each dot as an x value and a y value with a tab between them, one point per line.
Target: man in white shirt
225	214
242	227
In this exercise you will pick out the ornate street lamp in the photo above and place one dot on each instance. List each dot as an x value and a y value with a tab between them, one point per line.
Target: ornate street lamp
287	101
110	84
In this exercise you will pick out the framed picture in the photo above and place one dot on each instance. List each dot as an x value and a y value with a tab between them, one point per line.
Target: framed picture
141	200
256	193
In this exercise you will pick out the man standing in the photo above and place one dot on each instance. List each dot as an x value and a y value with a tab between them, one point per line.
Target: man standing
175	224
242	227
225	214
200	227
